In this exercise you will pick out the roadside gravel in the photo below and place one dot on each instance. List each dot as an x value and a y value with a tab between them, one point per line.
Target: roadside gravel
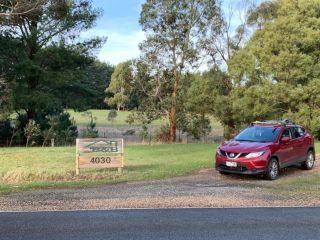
205	189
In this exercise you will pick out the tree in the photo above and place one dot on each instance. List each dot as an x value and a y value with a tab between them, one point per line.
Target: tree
199	103
19	7
209	94
174	31
232	35
98	76
285	48
120	85
305	106
43	61
266	12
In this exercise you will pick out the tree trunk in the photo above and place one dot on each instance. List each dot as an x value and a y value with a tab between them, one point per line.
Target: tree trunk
27	144
11	139
172	133
173	108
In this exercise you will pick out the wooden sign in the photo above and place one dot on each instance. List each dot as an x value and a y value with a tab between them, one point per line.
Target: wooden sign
99	153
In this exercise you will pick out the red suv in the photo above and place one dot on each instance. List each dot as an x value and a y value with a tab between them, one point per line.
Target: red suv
266	147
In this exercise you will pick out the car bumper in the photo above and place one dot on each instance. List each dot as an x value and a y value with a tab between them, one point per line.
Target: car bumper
222	168
246	166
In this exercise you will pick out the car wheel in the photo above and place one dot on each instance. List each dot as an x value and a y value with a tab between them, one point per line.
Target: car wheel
273	169
309	163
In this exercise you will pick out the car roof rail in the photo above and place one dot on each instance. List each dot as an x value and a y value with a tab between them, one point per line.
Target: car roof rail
283	122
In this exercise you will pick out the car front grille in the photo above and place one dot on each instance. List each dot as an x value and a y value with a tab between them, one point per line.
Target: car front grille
236	154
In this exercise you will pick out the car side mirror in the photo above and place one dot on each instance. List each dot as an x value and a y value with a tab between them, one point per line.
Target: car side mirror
285	139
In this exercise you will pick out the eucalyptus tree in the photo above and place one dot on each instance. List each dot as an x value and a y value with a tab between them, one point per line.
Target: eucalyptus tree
286	46
19	7
174	35
120	85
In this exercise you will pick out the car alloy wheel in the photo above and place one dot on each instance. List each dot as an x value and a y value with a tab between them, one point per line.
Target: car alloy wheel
308	164
273	169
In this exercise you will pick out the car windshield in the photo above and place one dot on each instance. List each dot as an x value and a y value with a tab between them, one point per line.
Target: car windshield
258	134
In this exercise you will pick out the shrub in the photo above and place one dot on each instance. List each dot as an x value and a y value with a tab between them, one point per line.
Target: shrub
31	131
112	115
91	131
162	134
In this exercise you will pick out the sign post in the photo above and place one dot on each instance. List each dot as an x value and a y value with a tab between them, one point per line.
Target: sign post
99	153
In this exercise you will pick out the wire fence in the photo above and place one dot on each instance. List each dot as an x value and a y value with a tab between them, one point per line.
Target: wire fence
135	135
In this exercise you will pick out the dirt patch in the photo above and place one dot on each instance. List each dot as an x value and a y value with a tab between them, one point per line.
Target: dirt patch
207	188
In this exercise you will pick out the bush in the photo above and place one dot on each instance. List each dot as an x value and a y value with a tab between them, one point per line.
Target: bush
58	126
91	131
199	126
112	115
5	133
32	131
66	132
162	134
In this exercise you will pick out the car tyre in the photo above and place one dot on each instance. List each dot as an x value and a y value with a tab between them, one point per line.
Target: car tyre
309	163
272	169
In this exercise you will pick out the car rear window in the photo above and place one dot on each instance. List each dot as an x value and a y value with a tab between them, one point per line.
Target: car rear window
258	134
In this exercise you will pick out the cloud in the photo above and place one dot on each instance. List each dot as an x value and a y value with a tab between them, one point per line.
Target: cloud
119	47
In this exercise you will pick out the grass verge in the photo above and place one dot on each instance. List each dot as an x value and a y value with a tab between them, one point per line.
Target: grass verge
30	168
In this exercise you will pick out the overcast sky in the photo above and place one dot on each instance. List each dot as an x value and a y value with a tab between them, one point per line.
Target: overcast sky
120	23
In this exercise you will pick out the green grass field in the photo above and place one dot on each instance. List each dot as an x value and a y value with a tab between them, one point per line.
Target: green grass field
28	168
82	118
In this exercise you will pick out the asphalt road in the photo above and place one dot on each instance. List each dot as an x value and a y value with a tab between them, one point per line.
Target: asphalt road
239	223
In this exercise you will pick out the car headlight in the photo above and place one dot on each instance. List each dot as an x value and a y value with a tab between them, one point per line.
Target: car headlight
218	151
254	154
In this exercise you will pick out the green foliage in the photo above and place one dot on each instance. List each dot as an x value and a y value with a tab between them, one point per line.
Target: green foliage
276	74
40	60
64	129
305	106
199	126
285	49
162	134
32	131
112	115
5	132
91	131
98	76
264	13
175	32
15	130
120	86
258	102
144	133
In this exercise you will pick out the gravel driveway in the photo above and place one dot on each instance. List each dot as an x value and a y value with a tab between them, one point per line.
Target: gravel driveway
207	188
